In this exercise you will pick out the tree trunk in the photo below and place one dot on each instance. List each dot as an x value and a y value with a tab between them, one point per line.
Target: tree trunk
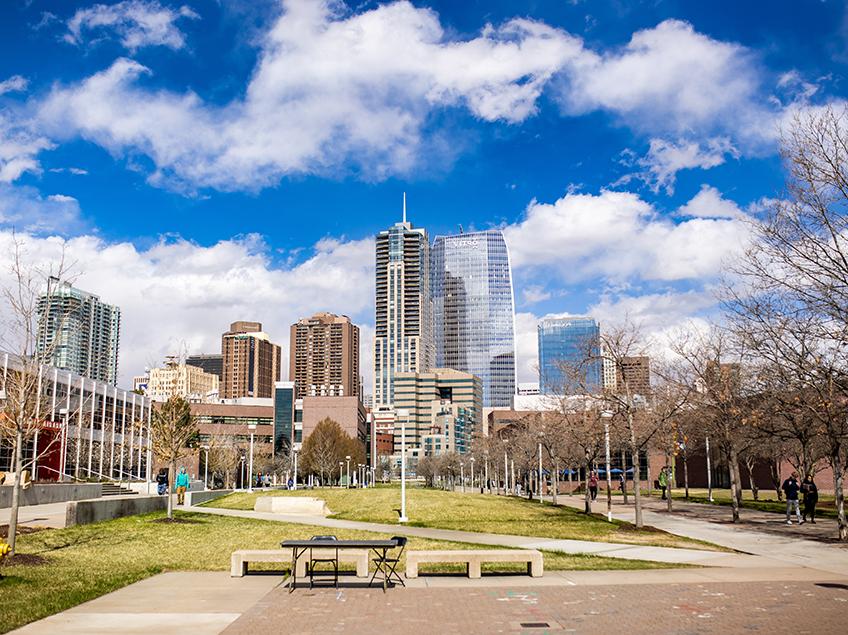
733	468
668	478
624	475
686	475
586	498
774	470
749	467
172	481
637	494
555	481
839	494
16	491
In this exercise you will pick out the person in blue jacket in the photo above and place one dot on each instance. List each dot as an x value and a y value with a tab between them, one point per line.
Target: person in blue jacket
182	485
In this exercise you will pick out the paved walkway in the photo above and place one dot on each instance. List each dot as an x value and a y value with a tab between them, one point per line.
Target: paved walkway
608	549
712	524
51	515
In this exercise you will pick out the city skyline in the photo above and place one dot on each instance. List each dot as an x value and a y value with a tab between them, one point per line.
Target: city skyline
614	197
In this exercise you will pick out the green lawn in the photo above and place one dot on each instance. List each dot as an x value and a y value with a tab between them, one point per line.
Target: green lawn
768	500
473	512
85	562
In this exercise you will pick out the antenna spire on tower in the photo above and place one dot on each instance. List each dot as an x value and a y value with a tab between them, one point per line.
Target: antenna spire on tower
404	207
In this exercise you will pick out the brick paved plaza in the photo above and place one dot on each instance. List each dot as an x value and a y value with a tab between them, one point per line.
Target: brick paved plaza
767	607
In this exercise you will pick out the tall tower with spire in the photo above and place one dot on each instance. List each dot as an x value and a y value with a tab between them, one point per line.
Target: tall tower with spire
403	339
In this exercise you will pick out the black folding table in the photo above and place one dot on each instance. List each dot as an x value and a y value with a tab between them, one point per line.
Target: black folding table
300	547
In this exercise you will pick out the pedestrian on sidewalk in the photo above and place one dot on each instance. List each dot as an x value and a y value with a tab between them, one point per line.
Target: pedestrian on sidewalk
662	479
182	486
791	489
162	481
811	497
621	482
593	484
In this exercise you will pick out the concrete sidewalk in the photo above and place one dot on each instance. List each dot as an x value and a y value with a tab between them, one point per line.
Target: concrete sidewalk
50	515
607	549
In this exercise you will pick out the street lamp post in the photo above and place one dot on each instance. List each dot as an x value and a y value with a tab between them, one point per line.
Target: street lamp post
487	473
341	465
607	416
242	470
472	472
205	448
709	472
506	475
347	483
252	428
462	475
404	417
294	486
539	483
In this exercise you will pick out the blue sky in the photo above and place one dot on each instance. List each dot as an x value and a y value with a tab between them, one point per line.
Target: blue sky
208	161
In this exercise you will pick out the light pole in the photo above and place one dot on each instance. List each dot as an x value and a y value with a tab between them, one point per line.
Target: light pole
252	428
472	472
709	473
295	471
341	465
242	470
347	482
506	475
606	417
487	473
540	470
462	475
404	417
205	448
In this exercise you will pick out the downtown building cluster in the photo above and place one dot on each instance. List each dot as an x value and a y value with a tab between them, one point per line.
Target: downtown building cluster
443	362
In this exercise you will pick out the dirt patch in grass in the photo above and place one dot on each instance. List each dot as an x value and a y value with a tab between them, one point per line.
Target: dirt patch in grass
25	560
177	521
22	530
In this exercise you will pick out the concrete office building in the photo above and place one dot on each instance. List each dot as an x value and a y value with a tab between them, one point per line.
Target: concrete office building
403	325
635	374
209	363
474	314
181	380
77	332
348	412
426	395
324	356
251	362
569	355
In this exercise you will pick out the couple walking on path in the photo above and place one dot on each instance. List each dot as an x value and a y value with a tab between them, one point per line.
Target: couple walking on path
808	488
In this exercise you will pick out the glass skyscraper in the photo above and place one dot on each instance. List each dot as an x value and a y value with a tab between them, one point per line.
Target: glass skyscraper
569	355
403	319
473	311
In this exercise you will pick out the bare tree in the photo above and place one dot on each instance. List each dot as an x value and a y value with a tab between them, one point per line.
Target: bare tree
173	427
792	302
23	402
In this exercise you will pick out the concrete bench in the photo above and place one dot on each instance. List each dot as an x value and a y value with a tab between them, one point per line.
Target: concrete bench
240	559
301	505
474	559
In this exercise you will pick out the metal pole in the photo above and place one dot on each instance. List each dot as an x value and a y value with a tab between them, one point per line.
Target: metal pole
506	475
462	476
206	470
404	417
295	469
539	483
250	469
609	479
709	473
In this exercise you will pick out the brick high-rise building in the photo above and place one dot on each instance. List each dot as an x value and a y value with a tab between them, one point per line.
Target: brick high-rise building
324	356
634	373
251	362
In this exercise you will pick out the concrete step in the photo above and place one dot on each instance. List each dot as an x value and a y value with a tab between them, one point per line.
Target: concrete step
111	489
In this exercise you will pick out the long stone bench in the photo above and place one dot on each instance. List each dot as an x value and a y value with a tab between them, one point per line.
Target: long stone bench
473	559
241	558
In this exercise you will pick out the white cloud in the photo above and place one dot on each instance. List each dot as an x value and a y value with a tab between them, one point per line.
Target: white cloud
25	209
667	79
619	236
19	147
137	23
177	293
666	158
709	203
328	91
535	293
15	83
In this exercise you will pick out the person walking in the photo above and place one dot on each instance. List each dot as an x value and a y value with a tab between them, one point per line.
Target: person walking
791	489
182	486
593	485
162	481
663	481
811	498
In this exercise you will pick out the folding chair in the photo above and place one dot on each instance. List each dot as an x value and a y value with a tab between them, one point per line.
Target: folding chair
388	566
334	561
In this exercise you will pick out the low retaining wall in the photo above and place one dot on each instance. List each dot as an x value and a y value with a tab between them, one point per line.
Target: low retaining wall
38	494
195	498
111	507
